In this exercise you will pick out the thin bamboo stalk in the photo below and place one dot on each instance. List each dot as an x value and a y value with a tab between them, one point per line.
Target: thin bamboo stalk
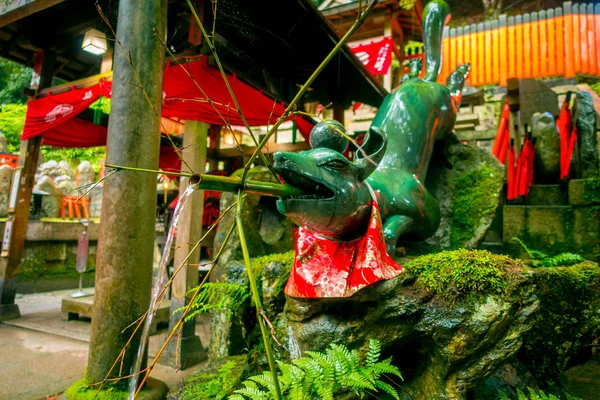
255	294
225	183
229	89
307	84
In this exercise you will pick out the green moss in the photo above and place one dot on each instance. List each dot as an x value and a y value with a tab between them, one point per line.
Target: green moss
591	190
258	265
474	198
84	390
462	272
34	269
569	318
215	383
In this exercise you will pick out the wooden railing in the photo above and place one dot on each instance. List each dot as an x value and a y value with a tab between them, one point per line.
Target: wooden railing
561	41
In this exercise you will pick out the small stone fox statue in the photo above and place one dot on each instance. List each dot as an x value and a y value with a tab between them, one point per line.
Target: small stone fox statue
393	160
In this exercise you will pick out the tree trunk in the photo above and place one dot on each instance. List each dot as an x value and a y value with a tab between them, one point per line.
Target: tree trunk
125	248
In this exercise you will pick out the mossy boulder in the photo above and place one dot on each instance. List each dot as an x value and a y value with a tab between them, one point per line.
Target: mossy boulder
85	389
455	318
215	382
467	182
569	318
234	333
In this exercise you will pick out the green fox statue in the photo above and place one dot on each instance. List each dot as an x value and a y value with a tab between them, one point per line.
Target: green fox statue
393	160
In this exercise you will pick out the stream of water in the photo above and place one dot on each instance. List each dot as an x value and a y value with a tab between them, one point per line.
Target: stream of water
161	279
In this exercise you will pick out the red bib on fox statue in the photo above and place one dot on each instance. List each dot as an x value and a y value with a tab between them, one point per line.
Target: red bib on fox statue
326	268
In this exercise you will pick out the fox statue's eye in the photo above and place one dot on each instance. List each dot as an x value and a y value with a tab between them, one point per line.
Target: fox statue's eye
335	164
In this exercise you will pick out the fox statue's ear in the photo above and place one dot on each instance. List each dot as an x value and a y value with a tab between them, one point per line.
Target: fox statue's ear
371	152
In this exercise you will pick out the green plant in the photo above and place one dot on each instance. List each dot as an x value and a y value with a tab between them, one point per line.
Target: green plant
212	386
217	296
542	259
534	395
12	120
474	197
85	389
464	271
322	375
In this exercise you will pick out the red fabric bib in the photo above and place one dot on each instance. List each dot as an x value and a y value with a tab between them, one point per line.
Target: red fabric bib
325	268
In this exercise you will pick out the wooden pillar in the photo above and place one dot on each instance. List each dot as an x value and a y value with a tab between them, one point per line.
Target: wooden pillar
13	239
387	32
127	229
188	351
338	113
215	143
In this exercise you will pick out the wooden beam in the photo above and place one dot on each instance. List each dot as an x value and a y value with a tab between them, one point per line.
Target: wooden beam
14	10
271	148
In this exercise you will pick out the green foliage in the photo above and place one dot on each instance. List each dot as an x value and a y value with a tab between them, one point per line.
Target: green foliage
532	394
74	156
13	79
596	88
474	197
322	375
218	297
591	189
85	390
216	386
102	104
258	265
542	259
568	318
407	4
12	120
463	271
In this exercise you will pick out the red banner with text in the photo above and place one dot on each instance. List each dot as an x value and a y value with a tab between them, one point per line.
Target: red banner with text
376	55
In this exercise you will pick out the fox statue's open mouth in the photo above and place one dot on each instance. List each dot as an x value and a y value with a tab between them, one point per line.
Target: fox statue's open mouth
313	189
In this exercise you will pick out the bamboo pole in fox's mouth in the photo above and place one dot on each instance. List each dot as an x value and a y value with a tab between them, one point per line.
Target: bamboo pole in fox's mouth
226	184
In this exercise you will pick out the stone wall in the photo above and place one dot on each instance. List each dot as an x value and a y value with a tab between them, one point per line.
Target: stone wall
569	222
49	256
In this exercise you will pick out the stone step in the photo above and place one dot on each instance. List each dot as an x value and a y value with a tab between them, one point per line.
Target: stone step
547	195
553	229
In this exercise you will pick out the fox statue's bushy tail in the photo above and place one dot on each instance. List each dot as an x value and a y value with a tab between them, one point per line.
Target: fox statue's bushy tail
413	117
393	161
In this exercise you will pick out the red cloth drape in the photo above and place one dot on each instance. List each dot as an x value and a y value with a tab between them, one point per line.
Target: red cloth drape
55	116
50	113
184	99
326	268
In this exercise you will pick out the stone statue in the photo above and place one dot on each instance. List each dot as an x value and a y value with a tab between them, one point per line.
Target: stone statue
393	160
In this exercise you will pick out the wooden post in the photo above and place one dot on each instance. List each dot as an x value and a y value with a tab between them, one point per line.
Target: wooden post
338	114
215	143
188	350
387	32
504	46
447	60
127	230
16	224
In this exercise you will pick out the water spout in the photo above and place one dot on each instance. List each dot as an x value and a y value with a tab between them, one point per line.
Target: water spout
158	288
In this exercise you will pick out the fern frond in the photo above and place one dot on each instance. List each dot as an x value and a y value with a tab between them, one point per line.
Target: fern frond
321	375
356	380
389	389
502	395
562	260
386	367
533	254
253	393
373	353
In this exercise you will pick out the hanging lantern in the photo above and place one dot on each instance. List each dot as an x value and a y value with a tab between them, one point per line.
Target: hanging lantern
94	42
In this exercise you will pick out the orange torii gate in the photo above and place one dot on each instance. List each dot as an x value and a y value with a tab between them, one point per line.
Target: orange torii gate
561	41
